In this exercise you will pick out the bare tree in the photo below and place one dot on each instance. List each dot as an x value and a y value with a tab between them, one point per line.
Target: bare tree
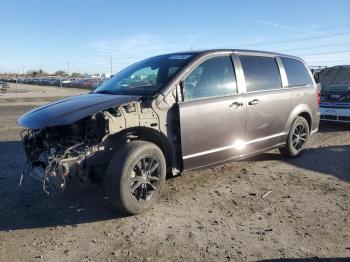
36	73
77	75
61	73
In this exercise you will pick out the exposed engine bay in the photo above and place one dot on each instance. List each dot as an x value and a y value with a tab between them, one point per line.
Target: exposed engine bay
59	152
82	149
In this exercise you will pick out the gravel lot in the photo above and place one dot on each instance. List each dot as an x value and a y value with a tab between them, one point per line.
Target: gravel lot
263	208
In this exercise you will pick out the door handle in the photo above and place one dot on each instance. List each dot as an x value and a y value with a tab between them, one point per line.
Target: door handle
254	102
236	104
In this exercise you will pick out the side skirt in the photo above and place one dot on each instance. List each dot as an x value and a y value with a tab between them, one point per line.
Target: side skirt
237	158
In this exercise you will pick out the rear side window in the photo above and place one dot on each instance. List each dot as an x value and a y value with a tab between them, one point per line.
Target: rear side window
214	77
261	73
297	74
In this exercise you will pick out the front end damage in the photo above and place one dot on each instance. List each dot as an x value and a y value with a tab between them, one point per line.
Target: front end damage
55	154
82	149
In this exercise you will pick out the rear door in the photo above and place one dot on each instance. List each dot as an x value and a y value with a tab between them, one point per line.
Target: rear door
302	88
268	103
211	114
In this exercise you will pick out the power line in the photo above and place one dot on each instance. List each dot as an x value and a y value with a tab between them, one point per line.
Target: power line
267	37
101	64
300	39
315	47
94	65
328	53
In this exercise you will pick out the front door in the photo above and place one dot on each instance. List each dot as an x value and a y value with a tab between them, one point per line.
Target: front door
212	115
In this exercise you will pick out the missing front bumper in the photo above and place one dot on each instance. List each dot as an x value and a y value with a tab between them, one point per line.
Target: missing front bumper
51	179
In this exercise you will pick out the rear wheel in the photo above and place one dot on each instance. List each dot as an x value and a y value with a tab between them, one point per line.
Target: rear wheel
297	138
135	177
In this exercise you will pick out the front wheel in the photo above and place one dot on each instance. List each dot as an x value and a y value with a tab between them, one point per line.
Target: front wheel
135	177
297	138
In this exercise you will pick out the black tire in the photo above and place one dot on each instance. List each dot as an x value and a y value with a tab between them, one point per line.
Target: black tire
295	144
129	188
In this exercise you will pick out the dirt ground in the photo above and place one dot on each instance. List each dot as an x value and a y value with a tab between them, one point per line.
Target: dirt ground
265	208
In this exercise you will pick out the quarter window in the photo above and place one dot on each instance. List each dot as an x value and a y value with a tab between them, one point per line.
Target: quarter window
297	74
261	73
214	77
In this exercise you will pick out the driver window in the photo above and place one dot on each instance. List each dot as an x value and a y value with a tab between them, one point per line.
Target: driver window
214	77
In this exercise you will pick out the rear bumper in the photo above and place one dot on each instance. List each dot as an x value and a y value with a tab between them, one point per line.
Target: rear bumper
335	114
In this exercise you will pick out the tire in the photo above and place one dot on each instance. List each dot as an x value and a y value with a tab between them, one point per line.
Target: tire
129	188
295	144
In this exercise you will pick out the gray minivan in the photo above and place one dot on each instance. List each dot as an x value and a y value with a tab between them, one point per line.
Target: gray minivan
169	114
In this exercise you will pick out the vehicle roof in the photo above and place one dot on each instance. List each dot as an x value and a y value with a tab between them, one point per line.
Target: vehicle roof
209	51
338	67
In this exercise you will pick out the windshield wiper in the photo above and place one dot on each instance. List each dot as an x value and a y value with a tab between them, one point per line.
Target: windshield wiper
107	92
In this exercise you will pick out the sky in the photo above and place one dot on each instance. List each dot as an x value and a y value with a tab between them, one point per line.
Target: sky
88	36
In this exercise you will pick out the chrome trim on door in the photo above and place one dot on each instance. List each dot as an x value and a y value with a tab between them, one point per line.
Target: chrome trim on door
240	79
232	146
282	72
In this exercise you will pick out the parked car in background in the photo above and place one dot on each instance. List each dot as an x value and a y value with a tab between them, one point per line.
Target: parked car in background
54	82
335	93
168	114
315	71
88	83
66	81
3	86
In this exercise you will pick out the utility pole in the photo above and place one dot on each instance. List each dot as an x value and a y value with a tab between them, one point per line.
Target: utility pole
17	87
61	85
17	83
68	68
111	65
41	69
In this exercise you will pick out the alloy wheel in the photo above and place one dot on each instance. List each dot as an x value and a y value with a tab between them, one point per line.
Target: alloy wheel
144	179
299	137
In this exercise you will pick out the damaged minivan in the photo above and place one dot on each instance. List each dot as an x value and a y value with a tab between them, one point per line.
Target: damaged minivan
169	114
335	93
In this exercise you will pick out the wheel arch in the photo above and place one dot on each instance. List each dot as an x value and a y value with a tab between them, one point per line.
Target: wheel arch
307	116
301	110
151	135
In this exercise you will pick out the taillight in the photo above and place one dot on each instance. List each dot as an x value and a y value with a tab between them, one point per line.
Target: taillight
318	96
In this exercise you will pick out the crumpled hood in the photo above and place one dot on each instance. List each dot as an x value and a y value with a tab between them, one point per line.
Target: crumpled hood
67	111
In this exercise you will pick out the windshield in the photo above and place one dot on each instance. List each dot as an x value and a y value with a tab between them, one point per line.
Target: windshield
335	77
147	77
